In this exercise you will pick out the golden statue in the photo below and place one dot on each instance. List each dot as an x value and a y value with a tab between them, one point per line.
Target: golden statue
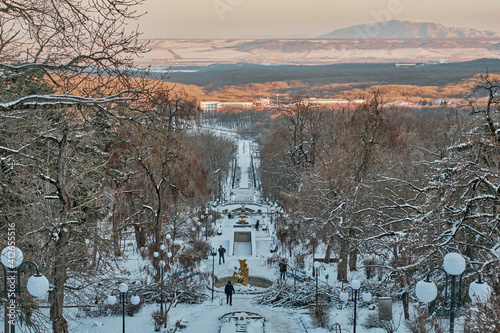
242	219
241	275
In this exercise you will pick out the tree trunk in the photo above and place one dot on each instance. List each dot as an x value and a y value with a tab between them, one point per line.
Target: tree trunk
116	237
343	258
56	297
140	235
406	306
329	247
353	258
95	249
328	253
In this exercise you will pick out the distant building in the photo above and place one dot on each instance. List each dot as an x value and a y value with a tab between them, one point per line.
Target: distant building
358	101
245	105
262	102
406	65
218	105
325	101
209	106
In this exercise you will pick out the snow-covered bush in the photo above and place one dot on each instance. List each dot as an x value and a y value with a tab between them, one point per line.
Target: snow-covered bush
483	317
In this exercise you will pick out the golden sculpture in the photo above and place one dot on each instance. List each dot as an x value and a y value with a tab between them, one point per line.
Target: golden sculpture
242	219
241	275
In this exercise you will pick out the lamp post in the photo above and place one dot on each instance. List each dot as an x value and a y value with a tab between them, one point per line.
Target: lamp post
313	241
213	254
162	265
123	288
344	296
12	261
273	211
317	268
206	224
454	266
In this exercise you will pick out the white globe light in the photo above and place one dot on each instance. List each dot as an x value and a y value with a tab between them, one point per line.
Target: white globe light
38	285
111	299
316	264
123	288
367	296
355	284
12	257
169	254
161	263
344	296
426	291
454	264
479	292
168	236
135	299
163	247
155	254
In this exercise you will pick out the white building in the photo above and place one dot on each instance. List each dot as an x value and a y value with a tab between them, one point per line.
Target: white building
209	106
246	105
217	105
324	101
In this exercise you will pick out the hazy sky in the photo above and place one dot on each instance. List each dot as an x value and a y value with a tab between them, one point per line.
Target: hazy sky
304	18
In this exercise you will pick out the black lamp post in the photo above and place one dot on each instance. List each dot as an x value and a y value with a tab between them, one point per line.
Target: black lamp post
213	254
344	296
453	265
316	270
313	241
206	224
123	288
162	264
12	263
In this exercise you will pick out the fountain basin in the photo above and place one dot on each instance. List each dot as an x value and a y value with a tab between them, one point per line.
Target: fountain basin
253	281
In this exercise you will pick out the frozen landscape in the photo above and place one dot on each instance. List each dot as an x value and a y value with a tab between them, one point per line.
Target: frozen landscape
186	52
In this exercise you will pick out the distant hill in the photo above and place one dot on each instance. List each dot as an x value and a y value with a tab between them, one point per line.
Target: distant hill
406	29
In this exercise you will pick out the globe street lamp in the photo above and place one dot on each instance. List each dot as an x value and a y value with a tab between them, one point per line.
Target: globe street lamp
213	253
453	265
162	264
206	224
123	288
344	296
317	268
38	285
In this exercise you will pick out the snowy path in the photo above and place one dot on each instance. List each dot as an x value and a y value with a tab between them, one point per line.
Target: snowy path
244	161
242	249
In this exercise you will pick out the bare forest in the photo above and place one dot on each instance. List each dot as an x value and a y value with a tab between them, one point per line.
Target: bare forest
389	191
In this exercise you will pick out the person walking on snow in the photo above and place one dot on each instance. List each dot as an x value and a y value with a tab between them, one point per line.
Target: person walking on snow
282	266
221	251
229	291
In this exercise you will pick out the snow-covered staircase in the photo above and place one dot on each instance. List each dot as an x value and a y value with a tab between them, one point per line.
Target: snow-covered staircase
241	326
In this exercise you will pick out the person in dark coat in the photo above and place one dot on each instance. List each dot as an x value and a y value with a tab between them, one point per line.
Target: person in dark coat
282	266
257	225
221	251
229	291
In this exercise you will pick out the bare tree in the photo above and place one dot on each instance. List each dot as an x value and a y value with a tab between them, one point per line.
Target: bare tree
78	47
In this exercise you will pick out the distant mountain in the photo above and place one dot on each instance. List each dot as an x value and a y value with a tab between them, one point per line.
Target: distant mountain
406	29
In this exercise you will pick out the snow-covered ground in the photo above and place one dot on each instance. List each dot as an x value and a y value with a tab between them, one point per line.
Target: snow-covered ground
244	163
215	315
